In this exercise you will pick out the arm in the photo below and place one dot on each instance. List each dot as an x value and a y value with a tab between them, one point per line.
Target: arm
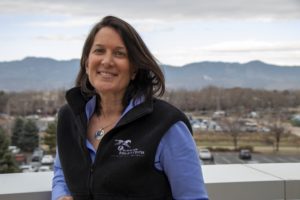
177	156
60	190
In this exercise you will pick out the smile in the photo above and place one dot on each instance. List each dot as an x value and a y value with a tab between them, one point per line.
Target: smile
106	74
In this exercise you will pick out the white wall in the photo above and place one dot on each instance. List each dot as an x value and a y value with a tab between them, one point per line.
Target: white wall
223	182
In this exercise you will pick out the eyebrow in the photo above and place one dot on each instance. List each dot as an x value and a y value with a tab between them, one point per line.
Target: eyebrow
118	47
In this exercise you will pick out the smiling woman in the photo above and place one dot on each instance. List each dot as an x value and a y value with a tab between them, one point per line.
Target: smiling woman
115	139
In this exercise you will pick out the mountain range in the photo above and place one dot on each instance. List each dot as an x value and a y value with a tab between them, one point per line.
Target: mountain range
33	73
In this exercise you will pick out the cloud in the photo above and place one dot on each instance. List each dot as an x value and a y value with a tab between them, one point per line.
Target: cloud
177	31
147	25
152	25
64	23
59	38
157	9
281	53
253	46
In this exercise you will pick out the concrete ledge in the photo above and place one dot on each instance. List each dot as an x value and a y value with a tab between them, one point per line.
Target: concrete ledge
253	181
289	173
26	186
223	182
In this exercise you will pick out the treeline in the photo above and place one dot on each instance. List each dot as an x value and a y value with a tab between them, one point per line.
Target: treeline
215	98
207	99
31	102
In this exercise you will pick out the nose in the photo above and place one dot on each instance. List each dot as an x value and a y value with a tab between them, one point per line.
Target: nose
107	59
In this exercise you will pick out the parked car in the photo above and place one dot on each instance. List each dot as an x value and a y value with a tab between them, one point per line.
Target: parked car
218	114
27	168
264	129
36	158
245	154
47	160
44	169
37	155
198	125
214	126
20	158
206	155
14	149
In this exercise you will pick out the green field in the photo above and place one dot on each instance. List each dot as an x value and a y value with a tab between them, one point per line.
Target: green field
264	143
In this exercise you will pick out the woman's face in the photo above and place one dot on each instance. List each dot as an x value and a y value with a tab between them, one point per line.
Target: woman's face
108	66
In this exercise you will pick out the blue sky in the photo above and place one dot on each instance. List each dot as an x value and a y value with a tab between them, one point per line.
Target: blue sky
177	32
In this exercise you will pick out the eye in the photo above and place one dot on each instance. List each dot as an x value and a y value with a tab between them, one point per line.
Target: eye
120	54
99	50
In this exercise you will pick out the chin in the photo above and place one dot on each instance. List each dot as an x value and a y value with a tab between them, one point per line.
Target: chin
106	90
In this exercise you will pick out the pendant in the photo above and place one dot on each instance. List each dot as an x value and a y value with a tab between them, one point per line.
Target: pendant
99	134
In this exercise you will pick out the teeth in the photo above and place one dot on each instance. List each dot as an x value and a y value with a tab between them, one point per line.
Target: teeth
106	74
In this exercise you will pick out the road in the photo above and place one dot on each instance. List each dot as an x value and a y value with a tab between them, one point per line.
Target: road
233	158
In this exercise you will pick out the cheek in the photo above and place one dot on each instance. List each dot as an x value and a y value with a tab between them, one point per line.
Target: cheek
89	65
87	68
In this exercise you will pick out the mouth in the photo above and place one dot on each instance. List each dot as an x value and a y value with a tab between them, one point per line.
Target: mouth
106	74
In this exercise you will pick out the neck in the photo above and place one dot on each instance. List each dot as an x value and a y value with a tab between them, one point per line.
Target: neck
111	107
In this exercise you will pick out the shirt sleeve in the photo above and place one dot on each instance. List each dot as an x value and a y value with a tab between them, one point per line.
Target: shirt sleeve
177	156
59	186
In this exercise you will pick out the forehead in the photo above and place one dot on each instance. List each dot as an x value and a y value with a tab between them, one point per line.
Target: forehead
108	36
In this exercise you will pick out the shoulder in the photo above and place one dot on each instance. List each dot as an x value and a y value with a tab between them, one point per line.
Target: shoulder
169	111
65	114
178	135
65	109
165	106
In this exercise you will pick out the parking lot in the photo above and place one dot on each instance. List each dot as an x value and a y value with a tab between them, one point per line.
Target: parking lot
233	158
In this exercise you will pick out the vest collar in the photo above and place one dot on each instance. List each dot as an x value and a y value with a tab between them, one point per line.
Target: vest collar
77	101
138	111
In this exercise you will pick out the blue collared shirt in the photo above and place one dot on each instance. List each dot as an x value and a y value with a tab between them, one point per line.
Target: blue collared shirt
176	155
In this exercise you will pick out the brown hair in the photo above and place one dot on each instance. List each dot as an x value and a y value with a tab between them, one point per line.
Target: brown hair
149	79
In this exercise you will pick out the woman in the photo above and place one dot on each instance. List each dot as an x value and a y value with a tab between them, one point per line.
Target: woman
115	139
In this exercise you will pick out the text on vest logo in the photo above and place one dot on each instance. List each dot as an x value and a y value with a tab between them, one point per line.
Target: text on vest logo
125	150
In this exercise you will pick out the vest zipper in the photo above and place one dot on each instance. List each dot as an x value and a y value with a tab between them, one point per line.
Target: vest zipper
83	126
91	182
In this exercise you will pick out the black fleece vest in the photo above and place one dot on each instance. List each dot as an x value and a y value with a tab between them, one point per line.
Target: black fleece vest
124	163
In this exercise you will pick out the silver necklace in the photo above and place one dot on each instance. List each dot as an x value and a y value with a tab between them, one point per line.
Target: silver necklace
101	132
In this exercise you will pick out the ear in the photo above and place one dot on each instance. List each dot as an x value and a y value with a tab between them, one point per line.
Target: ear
134	71
133	75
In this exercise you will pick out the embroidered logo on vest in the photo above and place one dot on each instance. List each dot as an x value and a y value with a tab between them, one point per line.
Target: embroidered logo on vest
125	150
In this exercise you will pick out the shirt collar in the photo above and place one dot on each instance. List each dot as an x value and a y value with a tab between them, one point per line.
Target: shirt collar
91	105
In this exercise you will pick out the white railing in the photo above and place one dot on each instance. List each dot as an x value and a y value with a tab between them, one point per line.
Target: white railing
223	182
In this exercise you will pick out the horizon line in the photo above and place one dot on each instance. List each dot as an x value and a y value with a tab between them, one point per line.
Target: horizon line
160	63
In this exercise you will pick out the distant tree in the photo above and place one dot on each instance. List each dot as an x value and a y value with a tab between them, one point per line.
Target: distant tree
50	137
28	102
234	133
7	163
30	138
277	130
232	126
3	101
17	131
275	123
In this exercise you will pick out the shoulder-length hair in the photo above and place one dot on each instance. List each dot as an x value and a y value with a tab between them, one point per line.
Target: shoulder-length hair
149	79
